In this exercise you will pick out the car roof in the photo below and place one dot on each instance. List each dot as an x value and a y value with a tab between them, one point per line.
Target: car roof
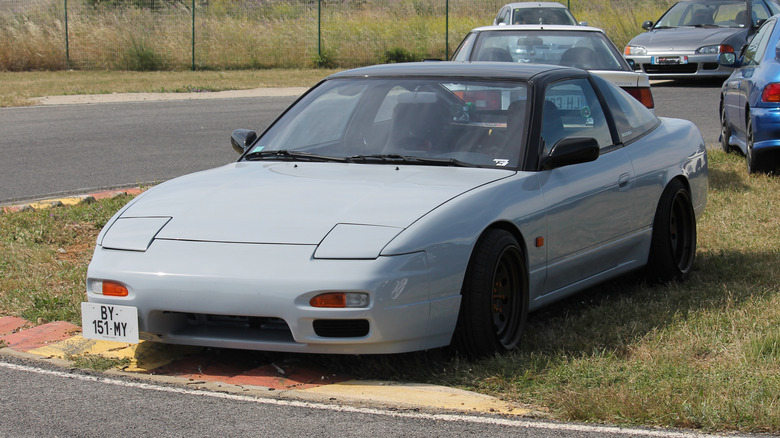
468	69
559	27
535	5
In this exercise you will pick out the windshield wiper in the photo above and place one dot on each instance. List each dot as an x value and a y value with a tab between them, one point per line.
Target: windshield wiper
288	155
406	159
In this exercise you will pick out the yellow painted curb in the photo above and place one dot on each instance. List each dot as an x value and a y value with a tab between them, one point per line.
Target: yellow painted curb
57	202
143	357
398	395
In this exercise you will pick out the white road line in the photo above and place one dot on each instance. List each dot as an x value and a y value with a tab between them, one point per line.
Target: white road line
414	415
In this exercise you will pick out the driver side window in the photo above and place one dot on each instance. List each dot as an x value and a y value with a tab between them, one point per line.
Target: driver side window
756	46
572	109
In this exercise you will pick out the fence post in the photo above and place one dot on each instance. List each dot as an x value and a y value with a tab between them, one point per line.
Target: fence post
319	29
67	43
447	31
193	35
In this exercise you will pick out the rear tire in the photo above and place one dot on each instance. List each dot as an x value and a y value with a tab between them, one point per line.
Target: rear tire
751	158
494	298
673	246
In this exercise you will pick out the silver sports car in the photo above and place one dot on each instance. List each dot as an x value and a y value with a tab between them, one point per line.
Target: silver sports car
405	207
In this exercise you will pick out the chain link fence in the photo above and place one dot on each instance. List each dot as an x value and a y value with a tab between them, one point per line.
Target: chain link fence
241	34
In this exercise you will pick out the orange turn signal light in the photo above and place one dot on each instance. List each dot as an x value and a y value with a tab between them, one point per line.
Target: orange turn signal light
336	299
114	289
340	300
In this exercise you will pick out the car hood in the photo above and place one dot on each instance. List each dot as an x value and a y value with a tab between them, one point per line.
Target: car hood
682	39
299	203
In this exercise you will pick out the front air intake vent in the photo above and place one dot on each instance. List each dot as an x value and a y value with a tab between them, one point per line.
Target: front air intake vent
341	328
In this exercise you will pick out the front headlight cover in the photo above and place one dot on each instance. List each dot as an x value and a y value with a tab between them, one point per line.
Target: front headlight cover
354	241
133	233
708	50
635	51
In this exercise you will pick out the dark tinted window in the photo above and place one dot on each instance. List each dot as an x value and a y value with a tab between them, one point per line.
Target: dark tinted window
632	119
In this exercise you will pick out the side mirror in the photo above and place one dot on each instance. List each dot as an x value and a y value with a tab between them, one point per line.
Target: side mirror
647	25
759	23
571	150
583	23
728	59
241	139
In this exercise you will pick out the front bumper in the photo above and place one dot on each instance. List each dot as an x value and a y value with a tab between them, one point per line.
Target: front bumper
670	65
256	297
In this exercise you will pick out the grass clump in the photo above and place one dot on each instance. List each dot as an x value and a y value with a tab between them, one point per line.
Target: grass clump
97	362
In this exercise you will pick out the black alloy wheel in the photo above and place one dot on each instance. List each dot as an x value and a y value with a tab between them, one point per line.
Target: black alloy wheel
494	297
673	246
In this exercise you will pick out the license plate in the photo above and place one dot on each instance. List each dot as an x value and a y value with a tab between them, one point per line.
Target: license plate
109	322
666	60
568	103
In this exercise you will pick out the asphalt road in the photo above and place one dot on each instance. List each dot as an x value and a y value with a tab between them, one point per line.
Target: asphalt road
71	149
37	401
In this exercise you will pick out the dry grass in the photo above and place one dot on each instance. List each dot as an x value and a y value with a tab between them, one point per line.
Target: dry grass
279	34
17	88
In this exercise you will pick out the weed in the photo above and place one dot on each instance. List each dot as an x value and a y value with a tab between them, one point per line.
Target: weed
97	362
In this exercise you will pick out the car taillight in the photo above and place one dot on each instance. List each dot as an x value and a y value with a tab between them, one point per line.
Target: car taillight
642	94
771	93
725	48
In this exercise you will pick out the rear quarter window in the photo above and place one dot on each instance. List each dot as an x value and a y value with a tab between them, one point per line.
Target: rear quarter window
632	119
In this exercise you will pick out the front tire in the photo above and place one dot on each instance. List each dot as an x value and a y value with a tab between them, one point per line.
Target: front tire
673	246
725	131
494	297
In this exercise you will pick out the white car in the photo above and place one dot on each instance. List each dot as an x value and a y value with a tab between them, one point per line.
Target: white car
535	13
583	47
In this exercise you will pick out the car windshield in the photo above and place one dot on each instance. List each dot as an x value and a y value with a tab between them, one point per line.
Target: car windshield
699	14
542	16
423	121
581	49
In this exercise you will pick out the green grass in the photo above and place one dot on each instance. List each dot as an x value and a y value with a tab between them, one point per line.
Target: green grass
701	354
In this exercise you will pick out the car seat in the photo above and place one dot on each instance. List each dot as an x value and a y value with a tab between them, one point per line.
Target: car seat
552	126
495	54
579	57
417	127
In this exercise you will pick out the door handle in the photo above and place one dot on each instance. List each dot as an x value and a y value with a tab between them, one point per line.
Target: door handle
624	181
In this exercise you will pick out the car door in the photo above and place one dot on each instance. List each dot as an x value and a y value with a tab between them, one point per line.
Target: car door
589	204
737	87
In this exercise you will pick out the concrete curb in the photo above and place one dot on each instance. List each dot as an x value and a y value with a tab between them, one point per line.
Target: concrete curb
59	343
148	97
66	200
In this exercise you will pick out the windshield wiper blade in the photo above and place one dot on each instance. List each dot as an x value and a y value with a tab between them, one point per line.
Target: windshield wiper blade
288	155
407	159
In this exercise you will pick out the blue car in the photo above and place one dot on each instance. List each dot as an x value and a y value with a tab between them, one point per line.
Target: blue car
750	100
